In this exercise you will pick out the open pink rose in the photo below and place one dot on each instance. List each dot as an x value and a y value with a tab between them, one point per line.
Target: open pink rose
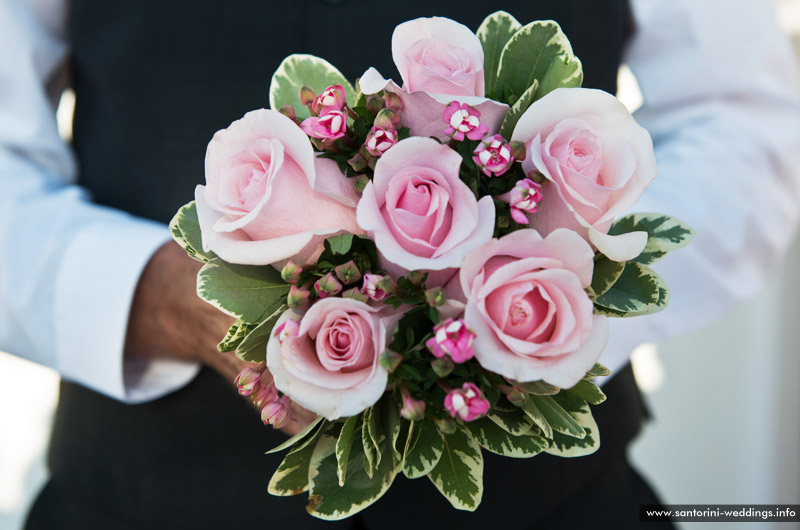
420	214
598	159
267	198
438	55
331	366
527	306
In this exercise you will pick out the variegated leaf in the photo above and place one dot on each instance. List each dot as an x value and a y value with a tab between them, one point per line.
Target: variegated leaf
303	436
185	230
567	446
558	418
664	234
515	422
637	291
459	473
425	445
291	477
606	272
588	391
540	388
493	438
343	444
533	412
494	32
299	70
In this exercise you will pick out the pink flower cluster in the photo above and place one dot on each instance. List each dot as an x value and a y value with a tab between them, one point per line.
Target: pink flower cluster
276	410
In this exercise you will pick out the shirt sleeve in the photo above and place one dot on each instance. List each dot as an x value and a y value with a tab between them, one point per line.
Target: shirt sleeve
68	268
720	99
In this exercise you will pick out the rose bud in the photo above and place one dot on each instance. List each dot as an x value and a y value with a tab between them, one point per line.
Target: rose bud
468	403
374	103
413	409
380	140
355	294
348	273
524	199
392	101
493	156
298	298
307	96
248	379
327	285
390	360
286	329
463	120
434	297
264	394
453	338
370	287
290	273
277	412
445	425
331	97
328	126
443	366
386	119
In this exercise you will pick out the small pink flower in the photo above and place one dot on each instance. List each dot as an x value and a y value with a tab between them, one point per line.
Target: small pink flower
277	412
524	198
264	394
248	379
413	409
453	338
493	156
380	140
328	285
286	329
371	289
332	97
329	125
463	120
468	403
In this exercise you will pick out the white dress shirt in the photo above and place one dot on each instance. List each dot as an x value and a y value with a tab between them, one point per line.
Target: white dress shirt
720	99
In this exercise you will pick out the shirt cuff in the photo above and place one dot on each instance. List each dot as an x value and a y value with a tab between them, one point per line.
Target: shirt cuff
94	290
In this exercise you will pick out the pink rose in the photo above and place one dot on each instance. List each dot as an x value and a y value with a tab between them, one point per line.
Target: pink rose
527	306
417	210
331	366
598	159
438	55
259	205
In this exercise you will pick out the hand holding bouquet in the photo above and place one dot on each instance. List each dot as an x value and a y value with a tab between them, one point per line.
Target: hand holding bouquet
429	267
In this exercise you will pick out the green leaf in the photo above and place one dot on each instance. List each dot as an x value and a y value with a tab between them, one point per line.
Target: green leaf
425	446
493	438
299	70
253	348
303	436
606	273
339	245
598	370
638	291
343	444
392	424
558	418
515	422
235	335
588	391
330	501
518	109
185	230
533	412
494	32
664	234
373	423
369	449
530	55
291	477
540	388
567	446
459	474
242	291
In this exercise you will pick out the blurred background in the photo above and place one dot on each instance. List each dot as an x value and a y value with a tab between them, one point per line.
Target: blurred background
727	431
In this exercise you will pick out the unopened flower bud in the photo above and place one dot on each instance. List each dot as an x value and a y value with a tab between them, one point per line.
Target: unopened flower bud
443	366
493	156
434	297
307	96
386	119
298	298
516	395
417	277
387	285
467	403
355	294
263	394
445	425
357	162
372	162
517	150
327	285
453	338
393	102
360	182
463	121
348	273
390	360
380	140
290	273
277	412
288	111
332	97
374	103
503	222
330	125
248	379
371	288
412	409
523	199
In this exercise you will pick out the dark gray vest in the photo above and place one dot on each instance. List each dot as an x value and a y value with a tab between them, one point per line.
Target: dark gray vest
154	80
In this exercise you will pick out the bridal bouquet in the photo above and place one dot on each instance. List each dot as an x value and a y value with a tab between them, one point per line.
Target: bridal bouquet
429	267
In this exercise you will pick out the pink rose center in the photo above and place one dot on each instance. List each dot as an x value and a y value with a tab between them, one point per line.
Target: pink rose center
245	182
439	57
344	342
522	310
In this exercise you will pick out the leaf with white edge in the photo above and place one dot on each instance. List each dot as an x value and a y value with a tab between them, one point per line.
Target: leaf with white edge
253	348
588	391
185	230
540	388
606	273
299	70
373	423
392	423
343	444
291	477
518	109
636	292
558	418
493	438
459	474
251	293
303	436
494	32
327	499
530	55
598	370
424	450
235	335
568	447
369	450
533	412
664	234
514	422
